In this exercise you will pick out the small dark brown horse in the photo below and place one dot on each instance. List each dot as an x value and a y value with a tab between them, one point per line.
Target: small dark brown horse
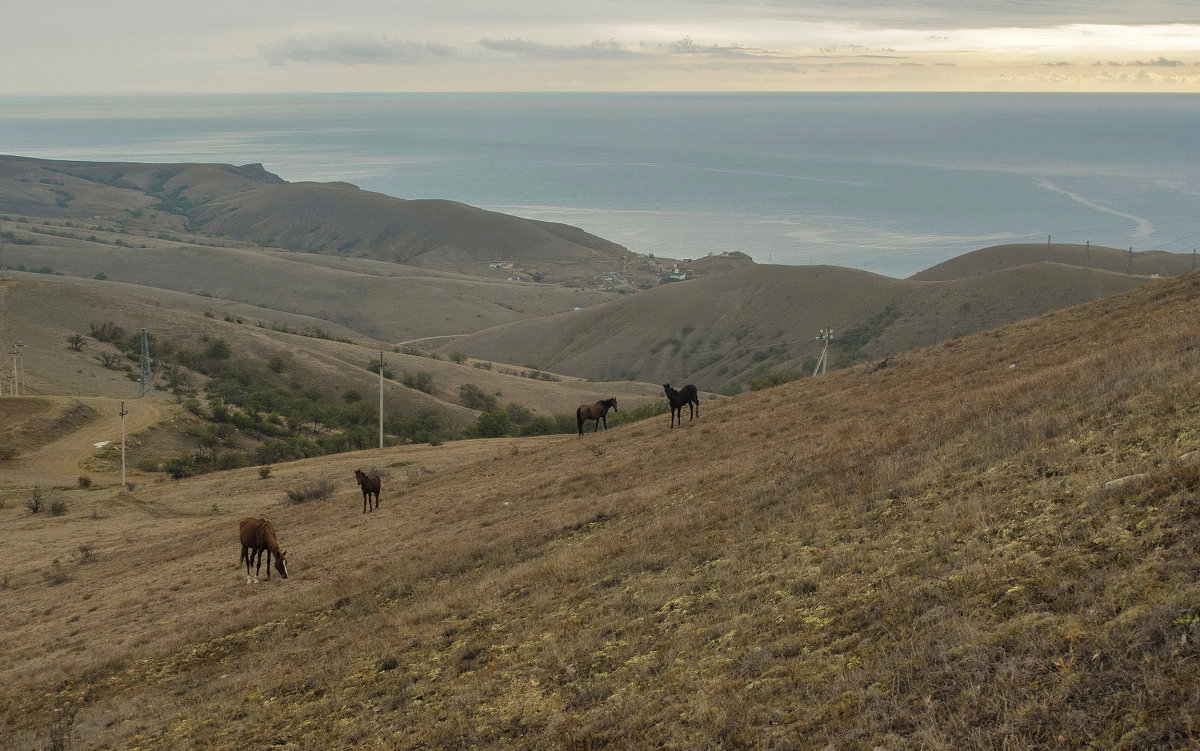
369	485
686	395
597	412
258	535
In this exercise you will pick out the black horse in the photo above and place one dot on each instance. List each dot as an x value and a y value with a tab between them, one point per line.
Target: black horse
595	412
370	486
686	395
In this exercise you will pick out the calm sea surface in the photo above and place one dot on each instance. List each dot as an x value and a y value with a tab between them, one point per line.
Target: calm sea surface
892	183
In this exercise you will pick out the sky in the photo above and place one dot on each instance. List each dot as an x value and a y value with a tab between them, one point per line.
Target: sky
153	46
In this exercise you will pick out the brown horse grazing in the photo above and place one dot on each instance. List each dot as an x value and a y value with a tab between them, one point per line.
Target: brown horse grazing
686	395
258	535
369	485
597	412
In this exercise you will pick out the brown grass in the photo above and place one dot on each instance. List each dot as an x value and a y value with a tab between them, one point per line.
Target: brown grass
923	557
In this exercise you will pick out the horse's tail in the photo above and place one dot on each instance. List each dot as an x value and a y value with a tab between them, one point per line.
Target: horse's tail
579	419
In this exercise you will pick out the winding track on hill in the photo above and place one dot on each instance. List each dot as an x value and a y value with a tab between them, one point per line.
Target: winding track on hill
63	460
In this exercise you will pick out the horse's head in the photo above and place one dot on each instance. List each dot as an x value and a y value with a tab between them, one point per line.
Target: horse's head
281	563
667	389
613	403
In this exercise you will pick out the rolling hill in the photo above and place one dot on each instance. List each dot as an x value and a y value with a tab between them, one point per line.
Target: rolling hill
720	331
249	204
455	279
988	544
280	357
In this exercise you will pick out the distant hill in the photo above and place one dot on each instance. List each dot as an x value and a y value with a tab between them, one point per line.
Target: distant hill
1001	257
723	330
247	204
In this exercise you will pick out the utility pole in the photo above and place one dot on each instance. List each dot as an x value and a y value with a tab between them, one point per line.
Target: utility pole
18	372
1047	247
123	413
380	398
824	337
1130	259
1087	255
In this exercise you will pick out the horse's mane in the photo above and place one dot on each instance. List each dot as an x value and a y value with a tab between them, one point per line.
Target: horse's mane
268	533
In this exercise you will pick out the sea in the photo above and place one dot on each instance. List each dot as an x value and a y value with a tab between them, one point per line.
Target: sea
885	182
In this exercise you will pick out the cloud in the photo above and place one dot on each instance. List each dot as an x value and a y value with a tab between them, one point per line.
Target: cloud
1161	62
606	50
686	46
347	49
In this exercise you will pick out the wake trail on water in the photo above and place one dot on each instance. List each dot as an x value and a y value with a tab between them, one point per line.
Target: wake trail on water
1145	227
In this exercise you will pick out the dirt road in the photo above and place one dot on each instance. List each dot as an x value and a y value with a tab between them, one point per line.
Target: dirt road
63	460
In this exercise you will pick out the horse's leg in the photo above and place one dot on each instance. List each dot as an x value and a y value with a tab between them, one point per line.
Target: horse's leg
268	563
365	501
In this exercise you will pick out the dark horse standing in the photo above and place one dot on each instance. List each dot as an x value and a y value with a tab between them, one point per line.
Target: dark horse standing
369	484
686	395
258	535
596	412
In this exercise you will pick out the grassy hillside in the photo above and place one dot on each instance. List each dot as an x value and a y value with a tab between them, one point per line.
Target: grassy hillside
250	204
267	376
224	231
948	553
999	257
723	332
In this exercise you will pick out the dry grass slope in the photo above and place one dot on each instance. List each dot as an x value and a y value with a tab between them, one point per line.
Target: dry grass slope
932	555
718	330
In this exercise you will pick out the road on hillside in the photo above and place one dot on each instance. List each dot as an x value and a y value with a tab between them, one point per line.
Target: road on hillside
63	461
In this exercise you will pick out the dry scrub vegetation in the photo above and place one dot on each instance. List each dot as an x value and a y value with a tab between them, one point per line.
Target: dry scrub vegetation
932	555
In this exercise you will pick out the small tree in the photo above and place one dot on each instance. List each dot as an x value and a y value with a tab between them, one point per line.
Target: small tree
34	504
494	424
76	342
421	381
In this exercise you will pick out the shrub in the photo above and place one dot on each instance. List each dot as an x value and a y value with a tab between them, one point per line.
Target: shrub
318	492
474	397
36	499
85	482
86	553
58	507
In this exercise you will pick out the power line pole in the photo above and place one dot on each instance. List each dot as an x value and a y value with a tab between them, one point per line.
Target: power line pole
381	399
18	371
824	337
123	413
